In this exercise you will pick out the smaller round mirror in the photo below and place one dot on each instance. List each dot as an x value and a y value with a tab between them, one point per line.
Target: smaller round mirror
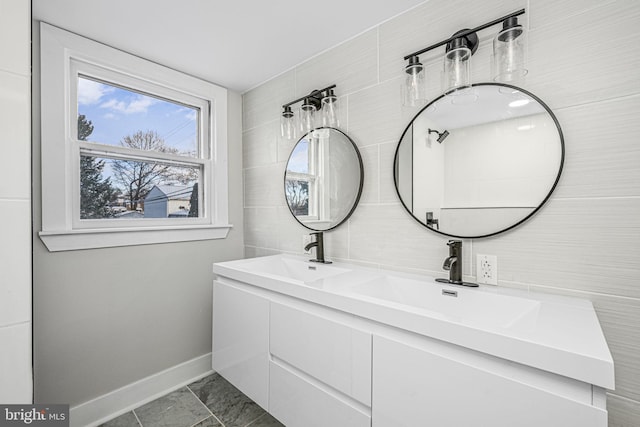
323	179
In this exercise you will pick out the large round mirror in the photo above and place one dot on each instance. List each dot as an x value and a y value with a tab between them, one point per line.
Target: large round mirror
480	163
323	179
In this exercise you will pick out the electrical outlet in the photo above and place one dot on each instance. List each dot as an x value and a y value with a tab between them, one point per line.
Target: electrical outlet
487	269
306	239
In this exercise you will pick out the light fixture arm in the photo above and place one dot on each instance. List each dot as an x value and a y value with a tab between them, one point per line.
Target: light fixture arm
465	33
315	95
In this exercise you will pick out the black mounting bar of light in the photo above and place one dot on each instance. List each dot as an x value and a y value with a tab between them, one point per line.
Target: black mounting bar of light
465	33
324	99
314	97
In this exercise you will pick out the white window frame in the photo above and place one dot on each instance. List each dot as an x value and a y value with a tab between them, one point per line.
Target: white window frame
311	178
64	56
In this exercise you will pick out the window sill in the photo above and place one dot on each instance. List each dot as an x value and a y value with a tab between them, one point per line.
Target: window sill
57	241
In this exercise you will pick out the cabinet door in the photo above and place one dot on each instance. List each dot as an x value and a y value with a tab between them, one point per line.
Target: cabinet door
330	351
241	340
415	387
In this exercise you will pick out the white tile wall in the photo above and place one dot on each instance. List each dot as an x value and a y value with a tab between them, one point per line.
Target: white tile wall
351	65
15	256
15	364
584	242
601	159
15	162
592	62
370	186
15	36
15	202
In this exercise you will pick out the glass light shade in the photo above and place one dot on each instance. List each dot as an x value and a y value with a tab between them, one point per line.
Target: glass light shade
414	90
307	118
508	55
457	70
288	124
330	110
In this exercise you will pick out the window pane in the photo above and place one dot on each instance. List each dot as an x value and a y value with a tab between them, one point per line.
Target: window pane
299	160
134	189
297	193
114	115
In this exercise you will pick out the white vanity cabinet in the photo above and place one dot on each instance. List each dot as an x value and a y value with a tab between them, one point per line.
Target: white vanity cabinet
315	346
417	382
241	340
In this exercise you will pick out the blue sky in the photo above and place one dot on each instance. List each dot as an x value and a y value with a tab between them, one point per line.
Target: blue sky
299	159
116	113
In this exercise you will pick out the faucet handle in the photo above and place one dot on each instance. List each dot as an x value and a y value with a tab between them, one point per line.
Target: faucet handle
454	242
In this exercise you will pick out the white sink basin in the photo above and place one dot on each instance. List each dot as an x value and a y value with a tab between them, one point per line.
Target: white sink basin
548	332
292	269
453	303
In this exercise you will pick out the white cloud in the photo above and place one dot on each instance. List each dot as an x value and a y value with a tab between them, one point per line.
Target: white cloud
191	115
109	116
187	112
90	92
138	105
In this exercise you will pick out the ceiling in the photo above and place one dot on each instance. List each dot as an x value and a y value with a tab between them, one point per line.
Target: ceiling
236	44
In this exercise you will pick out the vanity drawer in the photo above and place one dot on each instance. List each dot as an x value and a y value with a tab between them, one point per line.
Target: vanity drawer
298	402
332	352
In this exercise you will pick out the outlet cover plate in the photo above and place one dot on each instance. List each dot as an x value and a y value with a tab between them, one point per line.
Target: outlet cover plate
487	269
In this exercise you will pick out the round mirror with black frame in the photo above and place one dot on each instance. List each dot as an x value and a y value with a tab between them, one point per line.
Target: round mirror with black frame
479	163
323	179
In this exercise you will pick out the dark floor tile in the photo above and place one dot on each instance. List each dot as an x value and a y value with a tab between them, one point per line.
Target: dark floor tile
124	420
266	421
178	409
226	402
209	422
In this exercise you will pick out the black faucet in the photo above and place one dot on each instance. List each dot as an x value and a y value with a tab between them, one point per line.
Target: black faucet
454	265
319	245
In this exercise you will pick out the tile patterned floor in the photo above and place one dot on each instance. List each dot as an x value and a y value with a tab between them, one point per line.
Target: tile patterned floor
209	402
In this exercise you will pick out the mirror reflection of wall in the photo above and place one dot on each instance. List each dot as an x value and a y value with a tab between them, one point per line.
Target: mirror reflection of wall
323	179
476	168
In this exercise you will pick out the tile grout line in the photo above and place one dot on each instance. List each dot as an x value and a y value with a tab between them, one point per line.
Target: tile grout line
200	421
206	407
137	419
252	422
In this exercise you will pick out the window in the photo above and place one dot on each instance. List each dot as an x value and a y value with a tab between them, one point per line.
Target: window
138	153
306	179
301	183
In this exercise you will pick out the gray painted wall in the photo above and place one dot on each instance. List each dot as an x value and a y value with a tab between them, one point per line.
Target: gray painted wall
105	318
584	242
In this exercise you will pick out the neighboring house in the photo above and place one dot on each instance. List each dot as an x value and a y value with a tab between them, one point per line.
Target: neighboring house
165	199
180	213
129	215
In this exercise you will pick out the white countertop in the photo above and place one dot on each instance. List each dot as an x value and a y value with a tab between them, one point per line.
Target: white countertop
553	333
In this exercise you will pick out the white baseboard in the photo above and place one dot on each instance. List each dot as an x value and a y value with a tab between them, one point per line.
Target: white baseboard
115	403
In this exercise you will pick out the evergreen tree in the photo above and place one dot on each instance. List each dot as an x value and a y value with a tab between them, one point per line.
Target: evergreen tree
193	210
96	193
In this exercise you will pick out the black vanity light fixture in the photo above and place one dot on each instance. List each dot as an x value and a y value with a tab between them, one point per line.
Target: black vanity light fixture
508	59
323	100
